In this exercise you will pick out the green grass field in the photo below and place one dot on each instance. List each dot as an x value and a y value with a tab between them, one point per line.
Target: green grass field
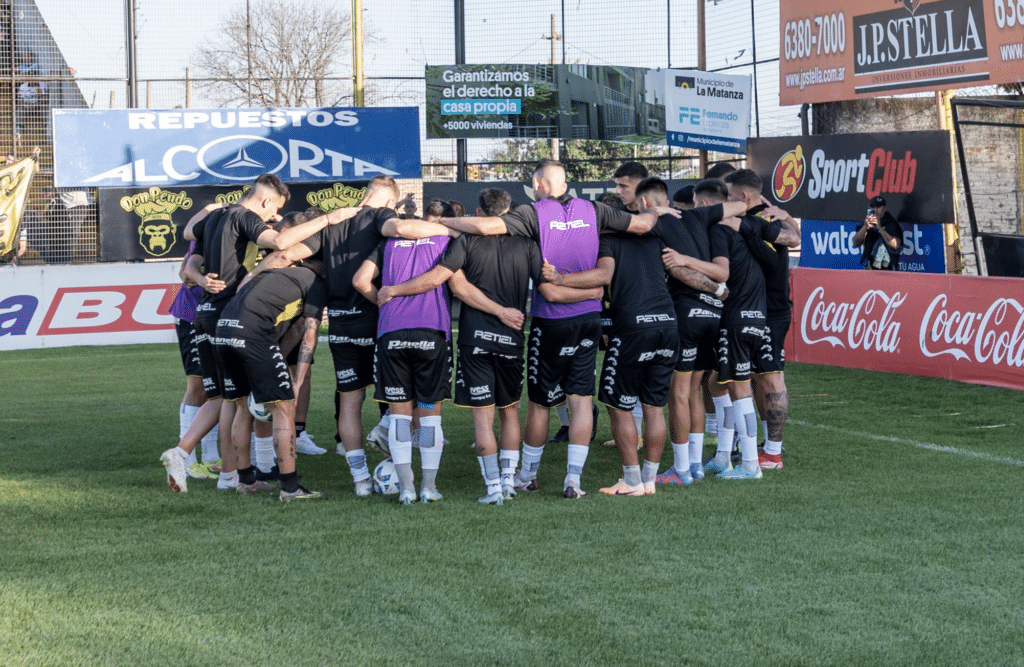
892	537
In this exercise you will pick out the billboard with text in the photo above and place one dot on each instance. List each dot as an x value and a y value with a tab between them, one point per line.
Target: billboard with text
171	147
847	49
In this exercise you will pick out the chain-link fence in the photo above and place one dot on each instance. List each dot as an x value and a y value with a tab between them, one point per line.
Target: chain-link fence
237	53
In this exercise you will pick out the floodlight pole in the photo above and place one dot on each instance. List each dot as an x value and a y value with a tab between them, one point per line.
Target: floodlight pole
358	84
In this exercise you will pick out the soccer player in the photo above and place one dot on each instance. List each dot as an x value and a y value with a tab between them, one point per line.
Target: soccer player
626	178
183	308
227	243
643	344
412	360
249	345
563	336
491	275
742	332
695	288
352	320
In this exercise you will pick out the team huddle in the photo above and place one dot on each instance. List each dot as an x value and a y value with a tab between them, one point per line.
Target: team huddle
684	297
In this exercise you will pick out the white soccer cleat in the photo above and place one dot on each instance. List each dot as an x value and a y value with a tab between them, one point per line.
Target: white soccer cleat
304	445
177	475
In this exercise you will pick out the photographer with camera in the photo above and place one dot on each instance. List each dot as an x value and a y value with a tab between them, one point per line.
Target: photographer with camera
881	236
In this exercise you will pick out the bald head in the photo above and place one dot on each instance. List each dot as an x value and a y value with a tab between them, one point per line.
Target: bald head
549	179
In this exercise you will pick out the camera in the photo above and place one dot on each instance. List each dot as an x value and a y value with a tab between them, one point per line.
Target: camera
871	211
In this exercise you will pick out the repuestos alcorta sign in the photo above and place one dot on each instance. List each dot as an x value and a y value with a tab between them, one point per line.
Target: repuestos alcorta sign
846	49
169	147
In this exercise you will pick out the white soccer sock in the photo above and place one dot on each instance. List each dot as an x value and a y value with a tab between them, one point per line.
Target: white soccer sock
649	471
400	444
696	445
385	421
574	466
681	453
227	480
356	460
489	470
191	459
710	425
264	453
509	462
563	414
772	447
746	421
531	461
211	452
724	415
631	475
431	447
638	417
186	413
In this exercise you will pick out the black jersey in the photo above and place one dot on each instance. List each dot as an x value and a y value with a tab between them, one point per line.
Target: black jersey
524	220
757	231
501	267
746	302
343	248
227	241
689	235
638	296
270	302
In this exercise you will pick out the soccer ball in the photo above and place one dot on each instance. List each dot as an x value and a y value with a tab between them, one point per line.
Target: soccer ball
259	411
385	478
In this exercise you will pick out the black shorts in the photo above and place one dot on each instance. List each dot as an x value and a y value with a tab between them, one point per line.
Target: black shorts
738	347
698	337
484	378
773	357
638	367
562	357
255	367
213	374
187	346
413	365
352	350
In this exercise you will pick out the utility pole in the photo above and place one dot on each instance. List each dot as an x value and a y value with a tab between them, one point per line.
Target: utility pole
554	37
357	53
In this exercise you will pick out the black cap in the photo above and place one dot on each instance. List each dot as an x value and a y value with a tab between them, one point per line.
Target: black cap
877	201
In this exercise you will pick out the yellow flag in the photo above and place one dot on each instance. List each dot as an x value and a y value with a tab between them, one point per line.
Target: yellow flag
14	182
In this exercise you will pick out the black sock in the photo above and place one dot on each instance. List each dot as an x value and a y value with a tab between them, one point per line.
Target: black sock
289	482
247	475
299	428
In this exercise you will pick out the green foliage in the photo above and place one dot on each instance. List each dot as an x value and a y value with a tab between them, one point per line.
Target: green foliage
584	159
868	548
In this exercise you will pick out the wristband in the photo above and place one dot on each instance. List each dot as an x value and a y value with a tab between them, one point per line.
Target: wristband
720	291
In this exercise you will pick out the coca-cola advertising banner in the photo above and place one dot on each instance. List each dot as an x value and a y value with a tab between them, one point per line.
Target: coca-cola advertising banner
964	328
832	177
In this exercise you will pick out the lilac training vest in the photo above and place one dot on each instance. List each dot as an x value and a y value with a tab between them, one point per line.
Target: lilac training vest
404	259
569	240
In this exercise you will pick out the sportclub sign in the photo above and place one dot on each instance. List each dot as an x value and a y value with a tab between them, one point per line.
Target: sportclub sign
961	328
833	177
172	147
847	49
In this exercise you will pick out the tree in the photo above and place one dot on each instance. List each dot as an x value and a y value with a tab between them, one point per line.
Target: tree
298	53
584	159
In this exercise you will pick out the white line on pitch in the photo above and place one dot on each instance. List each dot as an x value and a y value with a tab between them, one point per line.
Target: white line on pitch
915	443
